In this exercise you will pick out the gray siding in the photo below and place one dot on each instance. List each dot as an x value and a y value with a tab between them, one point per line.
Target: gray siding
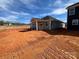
56	25
33	26
45	25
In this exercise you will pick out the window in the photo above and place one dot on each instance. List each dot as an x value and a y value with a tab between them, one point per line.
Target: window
72	11
75	22
46	24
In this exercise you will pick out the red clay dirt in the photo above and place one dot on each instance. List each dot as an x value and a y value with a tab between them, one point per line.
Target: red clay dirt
58	44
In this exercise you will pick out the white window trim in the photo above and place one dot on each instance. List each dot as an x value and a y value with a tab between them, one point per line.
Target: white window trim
71	12
75	20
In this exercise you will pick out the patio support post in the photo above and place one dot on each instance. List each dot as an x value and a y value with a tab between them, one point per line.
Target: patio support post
50	25
36	25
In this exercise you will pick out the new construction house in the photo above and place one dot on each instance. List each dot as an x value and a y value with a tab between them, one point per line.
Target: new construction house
73	17
46	23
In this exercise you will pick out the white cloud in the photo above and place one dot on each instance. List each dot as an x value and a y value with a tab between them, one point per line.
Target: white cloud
59	11
30	4
74	1
71	2
68	4
19	13
11	18
2	18
16	13
58	2
4	3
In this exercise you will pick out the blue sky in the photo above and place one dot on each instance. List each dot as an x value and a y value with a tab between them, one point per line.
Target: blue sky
23	10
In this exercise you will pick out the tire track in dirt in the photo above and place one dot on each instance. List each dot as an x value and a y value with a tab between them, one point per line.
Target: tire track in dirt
59	50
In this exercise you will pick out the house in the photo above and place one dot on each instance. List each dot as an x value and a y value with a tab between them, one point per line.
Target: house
73	17
46	23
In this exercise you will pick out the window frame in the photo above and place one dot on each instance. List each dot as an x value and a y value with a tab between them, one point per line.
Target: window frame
71	11
76	22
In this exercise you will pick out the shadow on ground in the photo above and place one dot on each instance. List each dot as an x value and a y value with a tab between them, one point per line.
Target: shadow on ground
57	32
25	30
63	32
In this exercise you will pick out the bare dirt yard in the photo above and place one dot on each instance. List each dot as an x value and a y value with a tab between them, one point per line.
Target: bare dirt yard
20	43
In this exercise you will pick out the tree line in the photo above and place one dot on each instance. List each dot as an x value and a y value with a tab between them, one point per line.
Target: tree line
2	23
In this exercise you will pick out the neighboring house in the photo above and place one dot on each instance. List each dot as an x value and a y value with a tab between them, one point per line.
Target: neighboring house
46	23
73	17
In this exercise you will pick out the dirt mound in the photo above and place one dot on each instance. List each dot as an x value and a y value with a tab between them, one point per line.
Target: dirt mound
58	44
13	39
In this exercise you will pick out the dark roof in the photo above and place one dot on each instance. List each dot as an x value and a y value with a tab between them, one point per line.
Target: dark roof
47	18
73	5
52	18
34	19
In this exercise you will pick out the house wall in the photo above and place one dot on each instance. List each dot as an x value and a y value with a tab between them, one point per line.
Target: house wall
63	25
46	24
33	25
56	25
70	18
43	25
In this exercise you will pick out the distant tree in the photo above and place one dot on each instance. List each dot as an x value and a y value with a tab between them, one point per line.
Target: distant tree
10	23
7	22
1	22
